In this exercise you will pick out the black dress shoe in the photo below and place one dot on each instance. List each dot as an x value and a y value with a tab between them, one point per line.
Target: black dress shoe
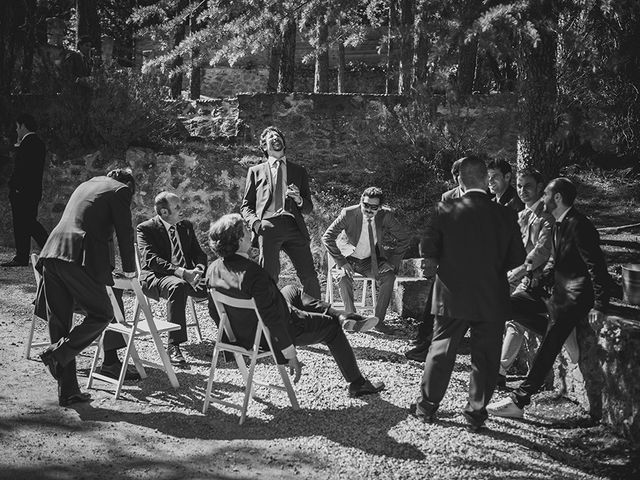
76	397
15	263
417	353
474	423
365	388
384	328
501	385
113	371
52	364
176	357
424	414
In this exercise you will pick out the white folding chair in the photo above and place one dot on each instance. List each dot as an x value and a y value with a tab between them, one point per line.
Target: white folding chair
29	344
191	304
137	327
368	284
221	301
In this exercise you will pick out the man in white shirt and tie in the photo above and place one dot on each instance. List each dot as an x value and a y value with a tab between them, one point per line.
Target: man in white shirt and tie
172	264
375	244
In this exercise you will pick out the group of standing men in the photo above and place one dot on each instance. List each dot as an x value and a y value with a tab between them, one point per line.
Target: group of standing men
475	243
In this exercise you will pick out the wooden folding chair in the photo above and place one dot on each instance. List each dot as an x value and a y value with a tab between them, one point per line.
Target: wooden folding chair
137	327
221	301
368	284
191	304
29	344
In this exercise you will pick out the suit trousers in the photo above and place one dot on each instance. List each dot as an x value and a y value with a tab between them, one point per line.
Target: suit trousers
311	324
384	283
175	291
561	323
282	233
24	209
65	284
485	360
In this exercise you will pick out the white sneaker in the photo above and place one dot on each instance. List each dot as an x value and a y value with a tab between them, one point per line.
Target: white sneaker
505	408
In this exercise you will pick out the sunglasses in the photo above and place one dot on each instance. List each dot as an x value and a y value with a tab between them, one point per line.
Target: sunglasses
370	206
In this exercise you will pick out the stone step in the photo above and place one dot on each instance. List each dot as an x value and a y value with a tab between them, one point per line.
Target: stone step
410	296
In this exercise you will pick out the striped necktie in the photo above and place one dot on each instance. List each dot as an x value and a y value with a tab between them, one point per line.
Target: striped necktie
374	256
176	251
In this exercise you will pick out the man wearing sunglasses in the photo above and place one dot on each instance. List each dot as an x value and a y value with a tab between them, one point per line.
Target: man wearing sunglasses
374	247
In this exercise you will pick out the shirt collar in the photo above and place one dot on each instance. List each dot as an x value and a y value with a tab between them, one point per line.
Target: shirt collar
25	136
273	160
469	190
167	225
534	206
243	254
561	217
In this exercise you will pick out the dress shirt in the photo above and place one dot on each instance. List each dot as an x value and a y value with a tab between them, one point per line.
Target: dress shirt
468	190
363	249
167	226
561	217
270	211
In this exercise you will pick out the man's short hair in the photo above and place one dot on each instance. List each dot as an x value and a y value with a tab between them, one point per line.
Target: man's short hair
28	121
263	138
225	234
162	201
373	192
500	164
533	173
473	171
455	168
84	39
123	175
565	188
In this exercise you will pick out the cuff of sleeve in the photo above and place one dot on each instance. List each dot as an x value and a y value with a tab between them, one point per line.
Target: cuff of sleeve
289	352
180	272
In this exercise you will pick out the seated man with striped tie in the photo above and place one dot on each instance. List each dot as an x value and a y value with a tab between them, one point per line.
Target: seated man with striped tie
374	246
172	265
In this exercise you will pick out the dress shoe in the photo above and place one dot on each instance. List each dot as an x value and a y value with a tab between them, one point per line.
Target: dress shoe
113	371
505	408
424	414
384	328
352	322
76	397
176	357
474	423
52	364
365	388
418	353
16	262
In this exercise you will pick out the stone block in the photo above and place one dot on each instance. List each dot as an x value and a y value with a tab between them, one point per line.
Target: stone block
410	296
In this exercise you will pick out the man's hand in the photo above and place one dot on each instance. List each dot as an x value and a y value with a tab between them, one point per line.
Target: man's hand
295	368
385	267
348	270
192	276
294	192
596	317
129	274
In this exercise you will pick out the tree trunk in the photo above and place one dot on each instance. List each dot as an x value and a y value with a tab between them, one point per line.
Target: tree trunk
288	57
391	60
29	45
406	46
420	49
467	62
342	68
87	23
178	36
274	62
11	17
195	76
537	100
321	78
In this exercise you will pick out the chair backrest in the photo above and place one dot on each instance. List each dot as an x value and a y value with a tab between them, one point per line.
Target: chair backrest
221	301
36	273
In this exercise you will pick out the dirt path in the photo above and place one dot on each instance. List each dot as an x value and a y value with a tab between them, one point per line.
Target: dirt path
156	432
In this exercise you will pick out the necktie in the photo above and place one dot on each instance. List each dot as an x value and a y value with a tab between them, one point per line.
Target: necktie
277	189
374	256
176	252
556	236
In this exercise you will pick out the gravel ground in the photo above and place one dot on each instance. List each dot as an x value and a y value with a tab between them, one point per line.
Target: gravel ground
156	432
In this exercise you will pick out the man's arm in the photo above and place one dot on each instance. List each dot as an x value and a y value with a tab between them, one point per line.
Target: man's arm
151	260
248	207
515	249
588	244
305	192
330	236
541	252
391	226
122	224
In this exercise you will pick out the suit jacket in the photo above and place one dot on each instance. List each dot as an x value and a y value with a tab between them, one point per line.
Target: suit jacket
240	277
97	208
474	242
26	179
510	199
258	194
155	249
535	228
452	194
580	276
392	237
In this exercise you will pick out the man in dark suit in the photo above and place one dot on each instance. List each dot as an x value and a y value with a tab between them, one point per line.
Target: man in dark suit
474	242
292	317
172	265
500	174
369	232
276	195
25	190
76	264
577	274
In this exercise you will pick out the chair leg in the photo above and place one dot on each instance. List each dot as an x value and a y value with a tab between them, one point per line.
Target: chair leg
125	363
287	384
195	323
212	374
27	347
248	387
94	362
